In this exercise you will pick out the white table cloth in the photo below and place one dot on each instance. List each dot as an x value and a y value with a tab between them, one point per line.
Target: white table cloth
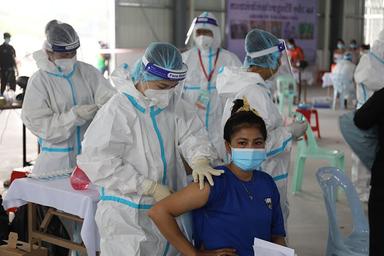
59	194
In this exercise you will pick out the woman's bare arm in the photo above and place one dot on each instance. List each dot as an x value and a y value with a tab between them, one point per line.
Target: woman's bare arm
164	212
279	240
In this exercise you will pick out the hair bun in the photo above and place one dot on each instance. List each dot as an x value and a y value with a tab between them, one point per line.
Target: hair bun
242	105
237	104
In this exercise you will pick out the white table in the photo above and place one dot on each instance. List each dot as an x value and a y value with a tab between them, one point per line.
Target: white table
58	194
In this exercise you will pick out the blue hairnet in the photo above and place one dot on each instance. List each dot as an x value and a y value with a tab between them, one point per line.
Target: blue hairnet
258	40
164	55
61	35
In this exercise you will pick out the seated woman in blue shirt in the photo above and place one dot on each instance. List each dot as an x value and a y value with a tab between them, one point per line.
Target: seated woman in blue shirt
243	204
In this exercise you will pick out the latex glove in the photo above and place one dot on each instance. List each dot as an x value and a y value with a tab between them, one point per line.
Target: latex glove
156	190
201	168
297	128
86	112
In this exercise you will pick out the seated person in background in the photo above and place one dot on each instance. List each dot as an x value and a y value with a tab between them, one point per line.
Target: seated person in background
295	53
243	204
339	51
354	50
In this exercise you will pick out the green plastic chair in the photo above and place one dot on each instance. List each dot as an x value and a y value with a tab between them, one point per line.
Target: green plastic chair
309	149
286	91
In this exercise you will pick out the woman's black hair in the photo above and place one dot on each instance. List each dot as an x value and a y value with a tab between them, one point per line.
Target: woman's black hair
242	119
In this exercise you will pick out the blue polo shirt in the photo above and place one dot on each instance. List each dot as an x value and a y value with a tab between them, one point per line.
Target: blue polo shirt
238	211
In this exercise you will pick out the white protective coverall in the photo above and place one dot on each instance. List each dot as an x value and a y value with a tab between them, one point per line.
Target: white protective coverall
198	89
342	77
49	110
235	83
130	141
369	78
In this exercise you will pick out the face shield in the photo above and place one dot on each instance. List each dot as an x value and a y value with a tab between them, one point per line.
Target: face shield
166	74
273	61
206	21
61	37
199	20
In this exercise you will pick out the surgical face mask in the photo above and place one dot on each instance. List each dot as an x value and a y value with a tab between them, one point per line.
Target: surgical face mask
290	46
353	46
65	65
248	159
160	98
340	46
204	42
7	40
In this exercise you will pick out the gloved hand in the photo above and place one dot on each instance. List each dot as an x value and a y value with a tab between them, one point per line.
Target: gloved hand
297	128
156	190
86	112
201	168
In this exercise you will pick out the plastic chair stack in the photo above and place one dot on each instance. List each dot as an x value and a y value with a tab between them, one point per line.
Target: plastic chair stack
357	243
308	148
286	91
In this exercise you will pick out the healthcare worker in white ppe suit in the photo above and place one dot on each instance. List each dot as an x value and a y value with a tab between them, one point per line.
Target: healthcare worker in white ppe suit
204	60
342	77
131	150
369	78
264	51
61	99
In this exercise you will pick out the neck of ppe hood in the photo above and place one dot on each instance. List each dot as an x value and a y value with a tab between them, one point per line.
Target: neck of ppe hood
42	61
232	80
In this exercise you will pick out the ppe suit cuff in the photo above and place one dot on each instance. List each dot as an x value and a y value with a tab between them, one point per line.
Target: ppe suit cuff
77	119
200	160
212	160
147	187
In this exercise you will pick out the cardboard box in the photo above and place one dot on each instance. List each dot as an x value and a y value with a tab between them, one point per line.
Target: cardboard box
18	248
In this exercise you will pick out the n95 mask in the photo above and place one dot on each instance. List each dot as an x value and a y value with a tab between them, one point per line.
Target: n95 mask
204	42
160	98
65	65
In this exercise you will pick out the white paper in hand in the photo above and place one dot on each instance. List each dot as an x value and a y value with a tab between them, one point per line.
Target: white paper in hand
265	248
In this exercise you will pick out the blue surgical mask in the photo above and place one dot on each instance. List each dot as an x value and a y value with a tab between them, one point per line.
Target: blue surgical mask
290	46
248	159
340	46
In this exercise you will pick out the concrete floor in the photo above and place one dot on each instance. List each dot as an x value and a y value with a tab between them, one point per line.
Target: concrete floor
307	224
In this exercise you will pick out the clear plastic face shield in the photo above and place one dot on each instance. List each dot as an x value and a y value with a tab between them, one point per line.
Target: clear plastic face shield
284	65
168	78
199	20
275	64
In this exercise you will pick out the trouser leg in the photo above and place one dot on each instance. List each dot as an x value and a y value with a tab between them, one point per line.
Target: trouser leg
3	80
361	177
376	221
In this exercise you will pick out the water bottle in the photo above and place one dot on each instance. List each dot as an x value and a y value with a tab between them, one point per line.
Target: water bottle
79	180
